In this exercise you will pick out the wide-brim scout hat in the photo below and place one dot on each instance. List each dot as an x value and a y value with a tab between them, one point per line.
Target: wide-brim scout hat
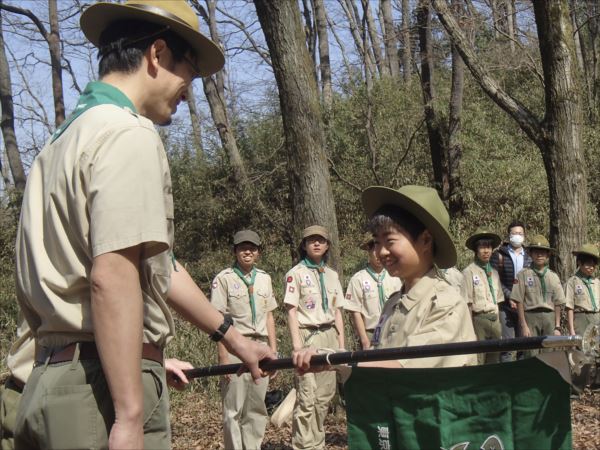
316	230
246	236
483	234
176	14
283	413
423	203
588	250
540	241
367	241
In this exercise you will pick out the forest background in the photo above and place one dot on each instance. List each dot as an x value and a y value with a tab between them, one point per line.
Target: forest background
387	100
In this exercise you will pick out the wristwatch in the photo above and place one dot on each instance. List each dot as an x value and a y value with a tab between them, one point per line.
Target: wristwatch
220	333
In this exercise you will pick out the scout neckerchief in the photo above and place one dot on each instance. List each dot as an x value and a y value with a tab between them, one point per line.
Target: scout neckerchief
541	275
95	93
378	277
588	284
250	286
321	268
487	268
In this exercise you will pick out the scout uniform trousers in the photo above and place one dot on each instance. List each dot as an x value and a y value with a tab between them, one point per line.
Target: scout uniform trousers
581	320
10	396
540	323
487	326
314	392
245	415
68	405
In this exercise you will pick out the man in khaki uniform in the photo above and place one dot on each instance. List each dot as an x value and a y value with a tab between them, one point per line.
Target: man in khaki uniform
246	294
367	292
95	270
538	294
314	298
482	291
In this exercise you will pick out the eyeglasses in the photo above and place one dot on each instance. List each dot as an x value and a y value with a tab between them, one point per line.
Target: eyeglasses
193	66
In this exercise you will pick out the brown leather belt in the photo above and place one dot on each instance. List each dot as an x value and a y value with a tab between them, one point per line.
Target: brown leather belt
323	327
88	350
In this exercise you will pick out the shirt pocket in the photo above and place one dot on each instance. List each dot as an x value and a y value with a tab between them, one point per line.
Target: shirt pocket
310	296
261	299
238	303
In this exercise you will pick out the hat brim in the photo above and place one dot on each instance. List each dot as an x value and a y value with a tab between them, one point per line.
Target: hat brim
97	17
283	413
496	240
541	247
591	255
375	197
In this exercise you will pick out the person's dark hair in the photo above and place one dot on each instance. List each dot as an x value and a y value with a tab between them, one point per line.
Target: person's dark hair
388	217
514	223
582	259
483	243
123	43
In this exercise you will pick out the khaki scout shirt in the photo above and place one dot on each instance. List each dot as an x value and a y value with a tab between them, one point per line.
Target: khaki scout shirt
21	355
303	290
229	295
476	289
578	296
453	276
528	290
102	186
432	312
362	295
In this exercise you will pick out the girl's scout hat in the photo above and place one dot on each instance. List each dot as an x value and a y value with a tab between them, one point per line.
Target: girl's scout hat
316	230
426	206
588	250
246	236
176	14
482	234
540	241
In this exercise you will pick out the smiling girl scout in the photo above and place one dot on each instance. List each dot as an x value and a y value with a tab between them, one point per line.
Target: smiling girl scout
314	298
538	293
410	226
245	294
482	291
367	292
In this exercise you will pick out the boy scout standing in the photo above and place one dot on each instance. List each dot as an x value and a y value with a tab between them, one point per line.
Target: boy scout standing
583	301
538	294
245	293
95	273
314	298
367	292
483	292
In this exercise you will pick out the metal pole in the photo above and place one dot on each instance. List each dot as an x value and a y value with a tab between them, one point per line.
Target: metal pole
386	354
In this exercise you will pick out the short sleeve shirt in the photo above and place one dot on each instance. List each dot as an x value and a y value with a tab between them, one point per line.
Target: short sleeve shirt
476	289
362	295
528	290
229	294
432	312
303	290
578	296
104	185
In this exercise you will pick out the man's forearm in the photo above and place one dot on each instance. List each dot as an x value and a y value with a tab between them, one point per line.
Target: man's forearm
117	315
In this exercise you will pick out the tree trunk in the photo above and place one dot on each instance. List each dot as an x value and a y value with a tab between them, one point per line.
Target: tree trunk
374	37
406	42
311	35
558	136
8	119
389	36
325	66
310	186
195	120
55	64
356	32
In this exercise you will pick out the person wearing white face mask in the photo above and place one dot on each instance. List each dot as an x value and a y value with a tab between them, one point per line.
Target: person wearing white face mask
508	260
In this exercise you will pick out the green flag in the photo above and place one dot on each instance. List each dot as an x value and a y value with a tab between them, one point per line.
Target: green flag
518	405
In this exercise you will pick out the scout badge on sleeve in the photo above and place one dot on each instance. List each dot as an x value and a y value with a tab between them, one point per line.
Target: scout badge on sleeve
578	289
530	281
476	280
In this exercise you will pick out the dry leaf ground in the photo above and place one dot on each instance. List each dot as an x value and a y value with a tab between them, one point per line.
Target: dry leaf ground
196	423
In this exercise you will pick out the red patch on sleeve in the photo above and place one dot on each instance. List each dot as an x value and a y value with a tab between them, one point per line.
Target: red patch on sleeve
290	279
214	285
515	281
348	296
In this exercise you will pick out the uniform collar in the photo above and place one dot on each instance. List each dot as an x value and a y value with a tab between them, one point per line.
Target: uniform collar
421	291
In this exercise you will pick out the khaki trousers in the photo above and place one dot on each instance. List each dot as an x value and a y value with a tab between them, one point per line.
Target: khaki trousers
68	406
540	323
10	396
581	321
487	326
244	412
314	392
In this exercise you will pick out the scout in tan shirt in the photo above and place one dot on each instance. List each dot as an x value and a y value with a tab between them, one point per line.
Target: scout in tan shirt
538	294
410	226
367	292
482	291
94	263
314	298
245	293
583	291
